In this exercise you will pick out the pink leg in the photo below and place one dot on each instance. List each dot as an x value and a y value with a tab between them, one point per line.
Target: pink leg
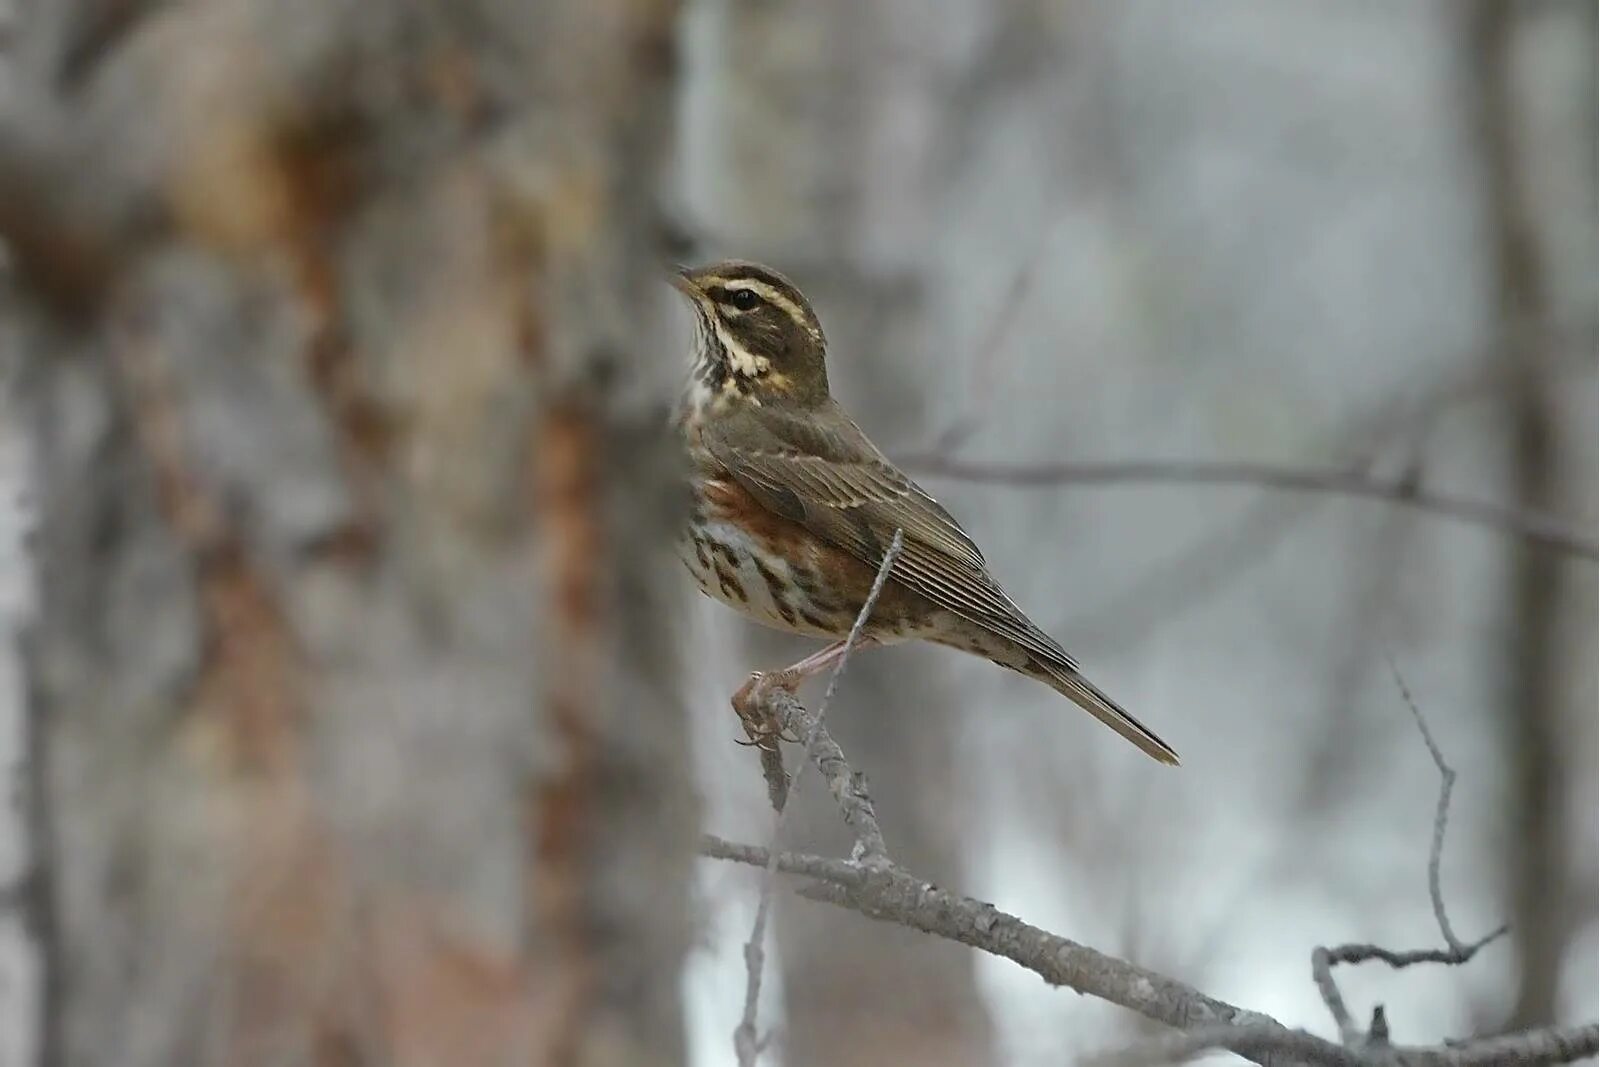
823	659
758	723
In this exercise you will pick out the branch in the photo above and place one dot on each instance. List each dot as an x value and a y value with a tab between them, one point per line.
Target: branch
1441	818
1549	1046
891	894
1260	1044
1455	952
772	770
1540	528
849	787
876	887
871	884
747	1045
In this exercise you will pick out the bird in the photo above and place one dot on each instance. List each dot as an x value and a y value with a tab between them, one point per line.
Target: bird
792	508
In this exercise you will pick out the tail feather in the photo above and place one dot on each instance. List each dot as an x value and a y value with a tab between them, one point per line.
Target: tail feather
1075	687
1060	674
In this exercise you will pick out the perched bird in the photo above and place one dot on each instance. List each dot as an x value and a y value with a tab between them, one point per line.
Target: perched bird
793	508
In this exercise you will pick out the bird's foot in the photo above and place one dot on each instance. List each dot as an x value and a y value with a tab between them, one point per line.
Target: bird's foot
761	723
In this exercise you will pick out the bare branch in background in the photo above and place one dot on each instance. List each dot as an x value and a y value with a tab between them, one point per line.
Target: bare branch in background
746	1043
1441	818
1547	531
1455	952
1183	581
987	362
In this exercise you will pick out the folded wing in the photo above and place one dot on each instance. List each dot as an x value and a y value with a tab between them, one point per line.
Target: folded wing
825	474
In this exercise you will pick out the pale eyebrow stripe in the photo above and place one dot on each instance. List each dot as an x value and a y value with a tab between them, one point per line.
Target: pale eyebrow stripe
766	291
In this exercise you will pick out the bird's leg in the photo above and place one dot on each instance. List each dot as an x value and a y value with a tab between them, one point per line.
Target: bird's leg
760	724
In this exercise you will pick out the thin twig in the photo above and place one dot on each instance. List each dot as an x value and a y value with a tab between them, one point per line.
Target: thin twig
1455	952
1441	818
1540	528
1328	989
987	364
746	1043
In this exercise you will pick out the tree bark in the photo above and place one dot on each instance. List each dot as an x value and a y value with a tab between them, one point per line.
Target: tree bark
354	715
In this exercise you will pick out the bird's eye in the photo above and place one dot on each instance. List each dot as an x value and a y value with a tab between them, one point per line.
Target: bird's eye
743	299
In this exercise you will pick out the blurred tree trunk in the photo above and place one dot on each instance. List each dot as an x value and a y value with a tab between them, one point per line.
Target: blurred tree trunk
354	723
829	111
1533	714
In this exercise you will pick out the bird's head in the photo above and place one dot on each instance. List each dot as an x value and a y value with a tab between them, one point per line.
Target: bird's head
756	336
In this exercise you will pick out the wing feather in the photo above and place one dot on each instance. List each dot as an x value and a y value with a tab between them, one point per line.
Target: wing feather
824	473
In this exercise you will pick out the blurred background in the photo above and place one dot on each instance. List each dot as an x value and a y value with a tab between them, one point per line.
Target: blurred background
389	276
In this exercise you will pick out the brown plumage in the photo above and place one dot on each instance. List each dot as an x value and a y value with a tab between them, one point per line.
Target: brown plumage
794	506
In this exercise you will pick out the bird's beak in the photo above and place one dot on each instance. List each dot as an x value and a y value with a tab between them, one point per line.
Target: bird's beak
682	279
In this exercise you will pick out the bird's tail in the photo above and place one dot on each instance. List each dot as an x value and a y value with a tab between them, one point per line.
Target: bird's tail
1075	687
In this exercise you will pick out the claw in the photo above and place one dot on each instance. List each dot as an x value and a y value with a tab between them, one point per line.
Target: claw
760	727
763	736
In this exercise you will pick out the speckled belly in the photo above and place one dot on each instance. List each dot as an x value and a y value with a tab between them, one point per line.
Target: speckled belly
776	583
729	567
